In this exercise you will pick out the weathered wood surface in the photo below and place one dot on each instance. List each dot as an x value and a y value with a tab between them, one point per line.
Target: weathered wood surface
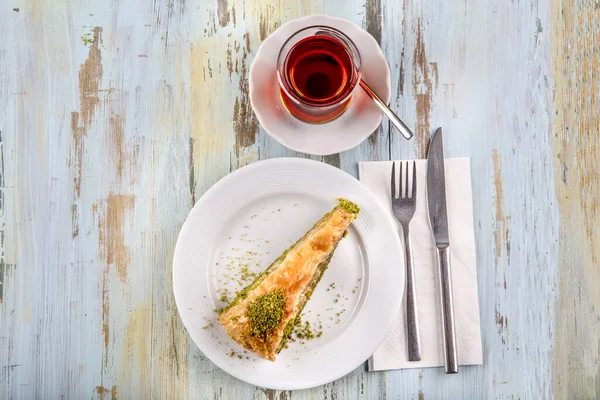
116	116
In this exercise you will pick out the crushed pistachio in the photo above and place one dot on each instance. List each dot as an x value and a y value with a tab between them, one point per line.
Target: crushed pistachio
306	331
349	206
265	313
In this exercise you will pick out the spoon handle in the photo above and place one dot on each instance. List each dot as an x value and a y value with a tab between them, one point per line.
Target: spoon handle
401	126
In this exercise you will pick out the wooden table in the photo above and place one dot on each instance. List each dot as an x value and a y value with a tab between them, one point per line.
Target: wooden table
115	117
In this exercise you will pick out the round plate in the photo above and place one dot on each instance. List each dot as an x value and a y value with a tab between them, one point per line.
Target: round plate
243	223
343	133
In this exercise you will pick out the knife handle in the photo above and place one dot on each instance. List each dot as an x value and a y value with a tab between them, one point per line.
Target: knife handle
412	315
449	335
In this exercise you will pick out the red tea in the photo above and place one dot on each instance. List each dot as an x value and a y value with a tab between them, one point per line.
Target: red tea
319	73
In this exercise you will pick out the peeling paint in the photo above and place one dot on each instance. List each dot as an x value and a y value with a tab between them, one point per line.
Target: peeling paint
502	325
222	13
401	78
5	272
501	231
333	159
105	316
423	91
90	75
270	394
105	392
112	245
117	139
75	162
192	178
245	124
372	22
137	345
268	21
501	321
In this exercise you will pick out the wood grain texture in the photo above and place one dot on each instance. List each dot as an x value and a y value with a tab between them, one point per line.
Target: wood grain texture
115	118
576	148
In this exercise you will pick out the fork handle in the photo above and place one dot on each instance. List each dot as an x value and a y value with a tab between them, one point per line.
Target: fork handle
412	316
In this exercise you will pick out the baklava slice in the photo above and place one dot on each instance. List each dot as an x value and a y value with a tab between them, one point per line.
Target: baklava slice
262	316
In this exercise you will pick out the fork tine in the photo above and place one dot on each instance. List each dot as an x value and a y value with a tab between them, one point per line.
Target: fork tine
393	180
414	182
401	183
406	180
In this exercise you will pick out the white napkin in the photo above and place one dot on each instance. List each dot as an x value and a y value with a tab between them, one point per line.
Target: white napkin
392	353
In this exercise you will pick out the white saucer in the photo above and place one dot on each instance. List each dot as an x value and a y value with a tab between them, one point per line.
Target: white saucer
360	119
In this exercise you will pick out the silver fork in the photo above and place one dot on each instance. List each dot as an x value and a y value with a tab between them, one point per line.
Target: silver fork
403	207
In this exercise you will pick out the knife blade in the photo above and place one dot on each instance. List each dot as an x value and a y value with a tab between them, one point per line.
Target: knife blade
438	217
436	190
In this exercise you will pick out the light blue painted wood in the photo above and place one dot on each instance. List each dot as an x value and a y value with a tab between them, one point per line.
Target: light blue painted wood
92	315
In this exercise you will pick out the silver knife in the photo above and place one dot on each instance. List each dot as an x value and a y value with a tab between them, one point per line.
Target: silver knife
438	217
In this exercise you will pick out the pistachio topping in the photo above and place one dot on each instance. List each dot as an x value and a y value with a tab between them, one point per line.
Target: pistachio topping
265	313
349	206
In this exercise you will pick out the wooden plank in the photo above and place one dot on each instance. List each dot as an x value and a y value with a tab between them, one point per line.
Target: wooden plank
576	148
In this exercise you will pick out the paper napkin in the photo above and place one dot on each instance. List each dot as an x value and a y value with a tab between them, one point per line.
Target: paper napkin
392	354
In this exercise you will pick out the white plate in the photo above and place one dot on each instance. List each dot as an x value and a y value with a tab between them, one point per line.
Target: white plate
255	213
360	119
